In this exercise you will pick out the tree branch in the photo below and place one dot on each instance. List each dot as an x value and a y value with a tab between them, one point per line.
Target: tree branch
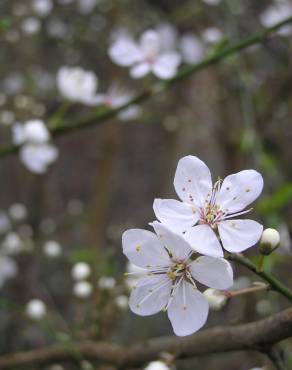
103	114
257	336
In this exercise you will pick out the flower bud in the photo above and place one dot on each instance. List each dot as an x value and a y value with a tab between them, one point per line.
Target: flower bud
269	241
216	299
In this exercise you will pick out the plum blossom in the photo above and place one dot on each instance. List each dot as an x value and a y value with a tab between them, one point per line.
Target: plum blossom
36	152
192	48
212	207
77	85
147	55
36	309
275	13
171	270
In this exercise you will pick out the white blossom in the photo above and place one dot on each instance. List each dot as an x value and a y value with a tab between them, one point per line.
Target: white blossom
212	207
106	282
276	12
212	2
216	298
270	240
17	211
36	152
31	25
77	85
81	271
171	270
122	301
211	35
192	48
82	289
36	309
42	7
157	365
52	249
4	222
145	56
12	244
8	269
133	274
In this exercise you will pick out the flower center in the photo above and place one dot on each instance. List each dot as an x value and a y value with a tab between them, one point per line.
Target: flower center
177	269
211	212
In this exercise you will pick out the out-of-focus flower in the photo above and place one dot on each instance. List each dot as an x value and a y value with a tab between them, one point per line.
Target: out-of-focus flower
212	2
4	222
122	301
216	299
8	269
17	211
82	289
52	249
106	282
36	152
211	35
170	275
157	365
36	309
12	243
6	117
75	207
81	271
212	207
192	48
31	25
276	12
42	7
86	6
168	37
286	244
145	56
77	85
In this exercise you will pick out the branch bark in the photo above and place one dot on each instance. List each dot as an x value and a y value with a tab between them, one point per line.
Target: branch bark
259	336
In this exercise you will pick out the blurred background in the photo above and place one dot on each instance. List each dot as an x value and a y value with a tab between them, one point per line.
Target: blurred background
61	264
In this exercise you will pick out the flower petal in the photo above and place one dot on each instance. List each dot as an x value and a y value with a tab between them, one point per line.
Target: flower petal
144	249
125	52
150	295
175	243
213	272
192	180
149	43
204	241
238	235
188	310
37	157
239	190
166	65
140	70
176	215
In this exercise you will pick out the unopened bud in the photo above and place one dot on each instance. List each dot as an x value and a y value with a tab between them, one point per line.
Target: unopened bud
216	299
269	241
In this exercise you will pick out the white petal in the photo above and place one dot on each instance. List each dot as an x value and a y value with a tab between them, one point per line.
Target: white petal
125	52
204	241
150	295
166	65
150	44
176	215
192	180
239	190
144	249
213	272
37	157
175	243
188	310
140	70
238	235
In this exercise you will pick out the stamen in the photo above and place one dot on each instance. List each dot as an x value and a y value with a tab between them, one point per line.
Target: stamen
237	214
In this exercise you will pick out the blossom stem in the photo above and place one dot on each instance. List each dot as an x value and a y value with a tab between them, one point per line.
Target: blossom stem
255	288
260	266
103	114
274	283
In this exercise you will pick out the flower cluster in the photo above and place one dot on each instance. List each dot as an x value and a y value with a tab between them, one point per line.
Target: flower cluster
186	247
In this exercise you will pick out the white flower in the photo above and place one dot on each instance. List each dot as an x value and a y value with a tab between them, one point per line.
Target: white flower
4	222
106	282
192	48
36	309
122	301
212	2
77	85
275	13
36	152
170	275
82	289
31	25
81	271
133	274
52	249
211	35
86	6
157	365
17	211
269	241
12	243
145	56
8	269
42	7
216	298
212	207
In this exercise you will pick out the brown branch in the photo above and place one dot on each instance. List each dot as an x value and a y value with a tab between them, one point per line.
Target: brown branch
260	336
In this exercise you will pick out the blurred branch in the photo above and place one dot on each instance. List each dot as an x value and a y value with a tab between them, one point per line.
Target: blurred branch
274	283
103	114
259	336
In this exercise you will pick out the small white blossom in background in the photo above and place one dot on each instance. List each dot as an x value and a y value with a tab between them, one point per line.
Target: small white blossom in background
81	271
36	152
270	240
5	223
122	301
145	56
157	365
106	282
212	207
212	35
77	85
192	48
42	7
6	117
82	289
115	97
52	249
276	12
31	25
12	244
17	212
75	207
86	6
212	2
8	269
216	299
169	281
36	309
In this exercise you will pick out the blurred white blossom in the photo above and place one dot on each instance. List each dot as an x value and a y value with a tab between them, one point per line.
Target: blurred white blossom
82	289
31	25
81	271
52	249
5	223
276	12
12	244
212	2
211	35
106	282
122	301
42	7
17	211
36	309
192	48
216	298
157	365
8	269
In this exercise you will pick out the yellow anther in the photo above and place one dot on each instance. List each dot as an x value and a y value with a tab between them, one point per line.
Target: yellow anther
138	248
